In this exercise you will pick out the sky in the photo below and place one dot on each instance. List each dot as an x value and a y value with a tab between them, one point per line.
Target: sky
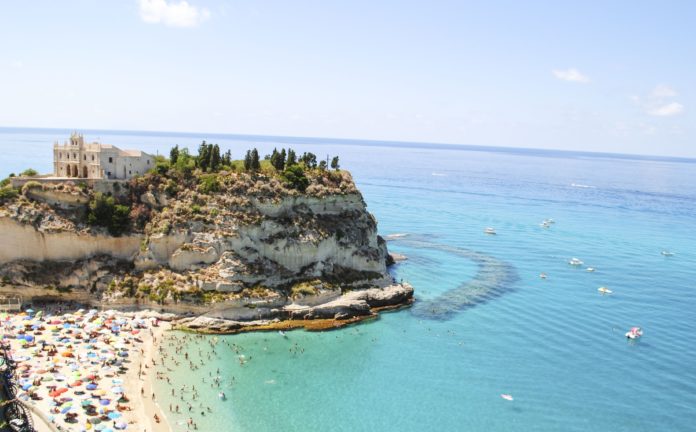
617	76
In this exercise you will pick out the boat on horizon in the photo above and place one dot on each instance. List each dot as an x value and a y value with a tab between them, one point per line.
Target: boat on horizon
575	262
634	333
490	231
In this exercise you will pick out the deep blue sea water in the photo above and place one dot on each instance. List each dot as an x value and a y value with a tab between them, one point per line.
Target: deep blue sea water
556	345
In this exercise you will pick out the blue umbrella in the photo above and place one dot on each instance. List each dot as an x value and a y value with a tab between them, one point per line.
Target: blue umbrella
65	410
91	386
30	311
114	415
104	402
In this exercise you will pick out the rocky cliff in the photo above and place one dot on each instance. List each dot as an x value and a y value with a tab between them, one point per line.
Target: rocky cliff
235	246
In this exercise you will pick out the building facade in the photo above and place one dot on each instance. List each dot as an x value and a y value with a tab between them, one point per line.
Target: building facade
75	159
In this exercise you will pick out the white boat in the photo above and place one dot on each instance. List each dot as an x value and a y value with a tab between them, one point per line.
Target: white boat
507	397
282	333
575	262
667	253
222	396
634	333
490	231
542	275
604	290
590	269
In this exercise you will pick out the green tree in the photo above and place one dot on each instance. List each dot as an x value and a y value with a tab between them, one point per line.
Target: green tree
30	172
215	158
295	177
278	160
247	161
203	160
309	159
334	163
322	165
292	158
103	211
174	154
227	158
255	162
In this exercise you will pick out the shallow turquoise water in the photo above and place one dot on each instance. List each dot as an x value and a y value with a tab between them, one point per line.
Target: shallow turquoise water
556	345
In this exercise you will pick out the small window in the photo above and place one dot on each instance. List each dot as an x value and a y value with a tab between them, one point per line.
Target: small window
84	157
148	161
74	155
111	160
92	157
129	173
60	155
108	174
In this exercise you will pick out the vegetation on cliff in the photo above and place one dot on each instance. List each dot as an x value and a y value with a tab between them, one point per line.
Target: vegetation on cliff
183	187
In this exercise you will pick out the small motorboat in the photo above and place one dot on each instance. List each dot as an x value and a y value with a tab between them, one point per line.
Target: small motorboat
575	262
490	231
634	333
506	397
222	396
604	290
542	275
590	269
282	333
667	253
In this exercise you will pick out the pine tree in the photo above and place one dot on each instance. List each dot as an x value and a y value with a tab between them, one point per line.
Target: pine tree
310	160
203	156
292	158
247	161
215	158
283	156
174	154
334	163
255	162
227	158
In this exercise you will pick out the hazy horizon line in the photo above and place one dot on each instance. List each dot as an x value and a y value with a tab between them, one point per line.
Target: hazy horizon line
363	142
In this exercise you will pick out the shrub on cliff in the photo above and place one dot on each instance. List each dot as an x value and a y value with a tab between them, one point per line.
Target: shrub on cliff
208	183
30	185
295	177
28	173
7	194
103	211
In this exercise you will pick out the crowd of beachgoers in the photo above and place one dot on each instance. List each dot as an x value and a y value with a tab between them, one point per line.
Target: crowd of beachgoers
83	370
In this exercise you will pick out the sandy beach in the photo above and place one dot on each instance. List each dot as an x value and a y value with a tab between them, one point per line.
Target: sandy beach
86	370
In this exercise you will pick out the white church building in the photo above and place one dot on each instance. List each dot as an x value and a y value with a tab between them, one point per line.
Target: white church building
75	159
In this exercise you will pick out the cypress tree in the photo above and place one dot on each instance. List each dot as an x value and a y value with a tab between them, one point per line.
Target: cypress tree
174	154
255	162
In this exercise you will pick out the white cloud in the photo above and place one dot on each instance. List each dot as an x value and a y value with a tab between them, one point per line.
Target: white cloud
571	74
663	91
670	109
659	102
173	14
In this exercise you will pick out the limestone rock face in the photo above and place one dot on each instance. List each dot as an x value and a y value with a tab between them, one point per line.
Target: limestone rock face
238	259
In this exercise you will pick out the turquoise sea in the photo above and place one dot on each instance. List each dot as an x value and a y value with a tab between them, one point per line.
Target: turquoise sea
556	345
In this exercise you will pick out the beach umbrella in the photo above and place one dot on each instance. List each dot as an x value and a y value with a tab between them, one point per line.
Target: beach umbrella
91	386
117	389
65	410
120	426
114	415
100	392
30	311
86	403
104	402
95	420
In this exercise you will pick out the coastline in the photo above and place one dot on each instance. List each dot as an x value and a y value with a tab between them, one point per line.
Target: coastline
149	407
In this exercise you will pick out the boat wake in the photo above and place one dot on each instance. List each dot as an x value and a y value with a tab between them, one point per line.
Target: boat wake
493	278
